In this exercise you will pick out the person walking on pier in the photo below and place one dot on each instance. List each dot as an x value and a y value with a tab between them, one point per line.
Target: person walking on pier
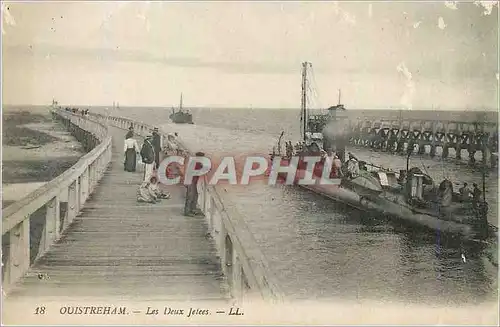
148	157
131	149
191	205
156	141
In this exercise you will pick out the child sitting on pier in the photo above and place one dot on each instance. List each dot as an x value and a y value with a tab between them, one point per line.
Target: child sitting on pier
155	189
149	192
145	194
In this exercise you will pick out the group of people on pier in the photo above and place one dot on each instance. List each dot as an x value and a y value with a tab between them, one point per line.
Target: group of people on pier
83	112
150	154
466	195
341	167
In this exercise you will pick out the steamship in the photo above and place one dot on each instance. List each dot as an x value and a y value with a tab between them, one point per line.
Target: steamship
409	195
181	116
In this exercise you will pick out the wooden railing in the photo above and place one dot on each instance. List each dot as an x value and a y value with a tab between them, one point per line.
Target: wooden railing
244	265
31	225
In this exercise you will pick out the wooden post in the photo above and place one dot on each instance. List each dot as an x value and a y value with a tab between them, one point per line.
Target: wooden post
84	187
458	145
433	138
19	251
211	214
221	237
72	205
228	259
51	226
445	140
91	178
97	169
78	194
236	278
486	150
421	139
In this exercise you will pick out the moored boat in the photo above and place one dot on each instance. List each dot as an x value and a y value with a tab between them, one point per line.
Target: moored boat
409	195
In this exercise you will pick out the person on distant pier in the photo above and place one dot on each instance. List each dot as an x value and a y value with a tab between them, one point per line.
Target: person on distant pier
352	166
362	166
465	194
131	150
289	149
191	205
157	146
171	146
476	194
148	157
337	163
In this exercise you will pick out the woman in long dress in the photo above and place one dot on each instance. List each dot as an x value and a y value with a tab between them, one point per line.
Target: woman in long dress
131	149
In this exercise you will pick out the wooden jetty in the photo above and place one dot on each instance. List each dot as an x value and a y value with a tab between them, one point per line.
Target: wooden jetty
394	135
118	247
84	235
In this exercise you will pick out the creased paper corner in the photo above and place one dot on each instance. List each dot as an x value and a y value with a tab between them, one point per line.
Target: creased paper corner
451	4
487	5
7	17
346	17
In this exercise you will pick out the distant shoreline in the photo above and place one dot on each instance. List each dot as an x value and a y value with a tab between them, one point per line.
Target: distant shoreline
22	106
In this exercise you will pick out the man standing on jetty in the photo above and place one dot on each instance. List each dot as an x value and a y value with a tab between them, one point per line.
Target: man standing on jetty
191	206
157	146
148	157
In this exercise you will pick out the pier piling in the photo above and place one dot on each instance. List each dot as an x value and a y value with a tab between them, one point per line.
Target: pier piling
395	135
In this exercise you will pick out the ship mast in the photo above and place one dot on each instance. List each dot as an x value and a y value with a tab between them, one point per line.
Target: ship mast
339	98
180	105
304	99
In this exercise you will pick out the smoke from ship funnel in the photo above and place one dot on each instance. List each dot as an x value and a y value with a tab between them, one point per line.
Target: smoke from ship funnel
336	129
336	133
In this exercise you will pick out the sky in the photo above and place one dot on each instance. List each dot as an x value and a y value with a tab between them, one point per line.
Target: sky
403	55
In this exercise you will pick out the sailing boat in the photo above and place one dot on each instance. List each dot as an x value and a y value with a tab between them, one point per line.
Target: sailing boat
409	195
180	116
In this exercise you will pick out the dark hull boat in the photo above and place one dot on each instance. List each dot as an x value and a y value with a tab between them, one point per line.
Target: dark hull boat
180	116
409	195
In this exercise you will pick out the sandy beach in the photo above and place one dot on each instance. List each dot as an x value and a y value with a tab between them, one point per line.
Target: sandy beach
35	150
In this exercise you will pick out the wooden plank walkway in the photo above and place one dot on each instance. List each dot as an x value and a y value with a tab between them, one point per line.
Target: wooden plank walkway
120	248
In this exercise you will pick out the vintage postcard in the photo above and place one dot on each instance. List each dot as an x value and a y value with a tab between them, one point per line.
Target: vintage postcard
240	162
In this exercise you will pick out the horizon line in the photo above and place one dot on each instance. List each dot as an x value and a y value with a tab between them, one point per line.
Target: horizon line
484	109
